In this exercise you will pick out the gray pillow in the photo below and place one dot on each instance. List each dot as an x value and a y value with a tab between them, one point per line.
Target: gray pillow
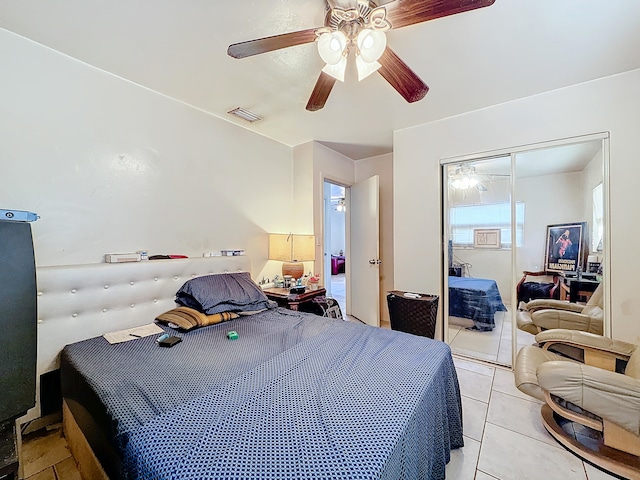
224	292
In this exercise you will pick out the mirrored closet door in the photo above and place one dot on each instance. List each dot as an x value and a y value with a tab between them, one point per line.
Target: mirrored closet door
526	223
479	267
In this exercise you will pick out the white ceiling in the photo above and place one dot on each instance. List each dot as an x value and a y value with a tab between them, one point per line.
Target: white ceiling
513	49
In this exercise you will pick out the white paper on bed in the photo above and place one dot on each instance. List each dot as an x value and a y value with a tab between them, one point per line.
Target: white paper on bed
133	333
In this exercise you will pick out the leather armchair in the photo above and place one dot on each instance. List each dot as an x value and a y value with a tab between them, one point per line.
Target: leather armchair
546	314
601	392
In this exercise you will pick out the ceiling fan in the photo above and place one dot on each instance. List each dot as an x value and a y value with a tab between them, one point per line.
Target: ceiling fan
361	29
465	176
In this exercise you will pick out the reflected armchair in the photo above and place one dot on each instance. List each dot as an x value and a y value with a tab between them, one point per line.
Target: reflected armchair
601	393
546	314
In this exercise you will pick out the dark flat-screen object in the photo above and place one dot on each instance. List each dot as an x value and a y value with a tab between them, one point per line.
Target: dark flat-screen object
477	299
17	319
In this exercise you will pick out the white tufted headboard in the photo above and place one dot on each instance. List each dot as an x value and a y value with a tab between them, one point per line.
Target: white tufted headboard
77	302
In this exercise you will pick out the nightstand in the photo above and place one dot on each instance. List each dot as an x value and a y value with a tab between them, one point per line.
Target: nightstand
292	301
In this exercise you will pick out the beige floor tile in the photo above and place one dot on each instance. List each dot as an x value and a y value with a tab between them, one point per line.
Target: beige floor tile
472	366
42	451
474	385
474	414
67	470
519	415
473	354
509	455
594	473
47	474
503	381
483	476
462	465
479	343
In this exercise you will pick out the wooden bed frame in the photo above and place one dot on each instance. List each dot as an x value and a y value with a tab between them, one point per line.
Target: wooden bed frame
88	464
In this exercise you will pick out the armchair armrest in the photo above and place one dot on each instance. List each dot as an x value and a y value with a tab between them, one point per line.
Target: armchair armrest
549	303
561	319
585	340
611	396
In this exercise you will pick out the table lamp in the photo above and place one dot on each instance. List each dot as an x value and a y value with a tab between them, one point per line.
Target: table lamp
292	250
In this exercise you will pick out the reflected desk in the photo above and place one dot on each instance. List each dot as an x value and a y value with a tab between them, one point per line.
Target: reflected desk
576	290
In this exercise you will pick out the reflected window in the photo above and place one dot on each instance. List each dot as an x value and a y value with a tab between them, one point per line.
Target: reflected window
463	219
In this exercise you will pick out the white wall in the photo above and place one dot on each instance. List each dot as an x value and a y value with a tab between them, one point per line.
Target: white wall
337	168
608	104
548	200
112	167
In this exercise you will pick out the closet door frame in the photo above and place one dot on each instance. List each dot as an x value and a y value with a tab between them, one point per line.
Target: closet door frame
516	275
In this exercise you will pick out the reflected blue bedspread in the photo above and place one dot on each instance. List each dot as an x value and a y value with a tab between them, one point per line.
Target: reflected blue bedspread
296	396
475	298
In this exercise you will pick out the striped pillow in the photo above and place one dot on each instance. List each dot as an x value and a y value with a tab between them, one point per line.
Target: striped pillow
187	318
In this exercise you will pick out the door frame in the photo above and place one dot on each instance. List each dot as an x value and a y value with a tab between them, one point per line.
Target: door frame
347	230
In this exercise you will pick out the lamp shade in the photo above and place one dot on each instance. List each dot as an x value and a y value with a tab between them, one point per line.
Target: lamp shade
371	44
293	250
331	47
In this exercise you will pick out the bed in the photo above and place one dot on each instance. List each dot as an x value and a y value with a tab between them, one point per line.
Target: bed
295	396
477	299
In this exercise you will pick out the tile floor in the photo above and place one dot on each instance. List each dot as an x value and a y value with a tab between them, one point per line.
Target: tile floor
46	456
504	437
494	346
339	291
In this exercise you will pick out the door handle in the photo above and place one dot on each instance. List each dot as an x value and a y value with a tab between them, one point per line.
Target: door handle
375	261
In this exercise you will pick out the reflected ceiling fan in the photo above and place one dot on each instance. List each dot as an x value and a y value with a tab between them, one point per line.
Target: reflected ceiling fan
360	29
465	176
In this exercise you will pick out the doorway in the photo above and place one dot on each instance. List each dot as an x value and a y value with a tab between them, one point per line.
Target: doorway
335	243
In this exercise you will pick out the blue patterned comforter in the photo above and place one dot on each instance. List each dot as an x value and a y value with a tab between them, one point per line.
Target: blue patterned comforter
477	299
296	397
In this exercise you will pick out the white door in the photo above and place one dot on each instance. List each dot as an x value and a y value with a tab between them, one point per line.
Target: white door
327	238
364	251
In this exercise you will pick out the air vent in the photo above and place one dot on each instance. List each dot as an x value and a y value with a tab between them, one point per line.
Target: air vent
245	114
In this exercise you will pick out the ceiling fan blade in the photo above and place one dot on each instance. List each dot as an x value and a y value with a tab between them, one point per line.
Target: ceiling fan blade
401	77
402	13
268	44
320	92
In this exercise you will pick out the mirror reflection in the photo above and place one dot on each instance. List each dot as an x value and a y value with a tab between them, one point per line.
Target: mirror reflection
479	276
508	255
561	259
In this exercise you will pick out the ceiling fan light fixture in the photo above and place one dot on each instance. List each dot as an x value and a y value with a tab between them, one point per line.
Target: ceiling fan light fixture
332	47
337	70
371	44
365	68
464	178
